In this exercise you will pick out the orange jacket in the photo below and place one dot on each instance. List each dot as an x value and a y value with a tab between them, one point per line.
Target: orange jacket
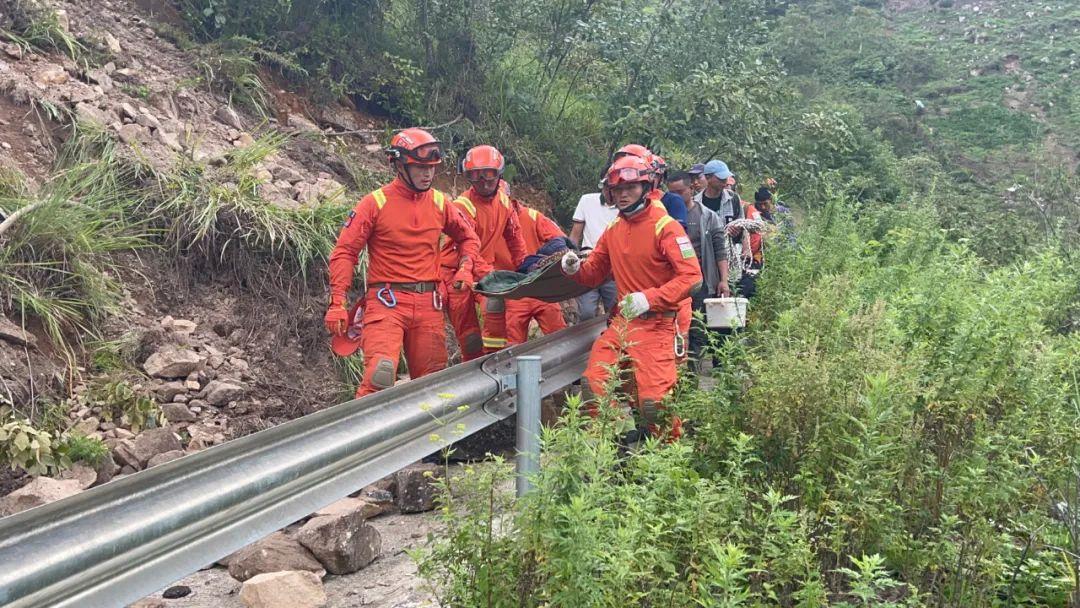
536	228
648	252
401	229
496	225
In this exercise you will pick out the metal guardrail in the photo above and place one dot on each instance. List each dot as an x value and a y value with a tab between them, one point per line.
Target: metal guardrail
116	543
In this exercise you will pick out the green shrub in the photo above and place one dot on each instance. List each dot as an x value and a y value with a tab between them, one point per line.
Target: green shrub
898	427
24	447
121	402
87	450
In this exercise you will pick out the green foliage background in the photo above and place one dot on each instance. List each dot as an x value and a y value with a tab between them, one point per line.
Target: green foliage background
981	101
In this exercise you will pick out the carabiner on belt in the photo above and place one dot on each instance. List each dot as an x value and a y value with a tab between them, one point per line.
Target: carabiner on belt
436	298
680	343
386	296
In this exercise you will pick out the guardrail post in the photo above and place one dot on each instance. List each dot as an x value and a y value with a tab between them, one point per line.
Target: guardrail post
529	370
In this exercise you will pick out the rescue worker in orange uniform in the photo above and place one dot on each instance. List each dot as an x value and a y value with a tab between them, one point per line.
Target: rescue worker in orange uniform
537	230
487	207
655	269
401	225
677	209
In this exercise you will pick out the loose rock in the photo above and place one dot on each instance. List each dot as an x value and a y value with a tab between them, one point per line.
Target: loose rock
415	491
165	457
342	543
170	139
9	332
132	133
172	362
12	50
220	393
124	453
40	491
150	443
229	117
167	391
177	412
177	592
365	507
113	44
150	122
283	590
82	474
50	75
274	553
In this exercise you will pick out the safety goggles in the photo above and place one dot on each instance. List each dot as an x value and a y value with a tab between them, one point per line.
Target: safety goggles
625	175
429	153
476	175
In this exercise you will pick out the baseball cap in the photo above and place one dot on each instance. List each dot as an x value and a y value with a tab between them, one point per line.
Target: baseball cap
718	168
696	169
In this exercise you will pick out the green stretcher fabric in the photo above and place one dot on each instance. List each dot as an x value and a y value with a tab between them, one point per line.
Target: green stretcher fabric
546	282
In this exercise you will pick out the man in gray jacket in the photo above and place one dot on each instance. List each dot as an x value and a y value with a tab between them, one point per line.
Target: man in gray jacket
706	231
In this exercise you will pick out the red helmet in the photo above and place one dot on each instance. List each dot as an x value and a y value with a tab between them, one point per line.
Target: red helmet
628	170
415	147
637	150
483	162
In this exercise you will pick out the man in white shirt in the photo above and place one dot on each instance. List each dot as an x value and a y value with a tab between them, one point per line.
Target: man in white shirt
591	218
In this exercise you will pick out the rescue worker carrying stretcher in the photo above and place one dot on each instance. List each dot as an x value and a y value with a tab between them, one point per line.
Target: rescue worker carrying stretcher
655	269
400	224
488	209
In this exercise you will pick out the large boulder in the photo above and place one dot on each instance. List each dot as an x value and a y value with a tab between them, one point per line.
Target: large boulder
415	491
171	362
150	443
40	491
343	543
290	589
272	554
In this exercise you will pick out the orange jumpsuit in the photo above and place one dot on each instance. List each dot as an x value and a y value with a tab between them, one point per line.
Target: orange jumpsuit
649	253
501	248
537	229
401	229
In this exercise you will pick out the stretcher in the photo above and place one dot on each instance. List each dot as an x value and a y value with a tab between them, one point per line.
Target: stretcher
545	282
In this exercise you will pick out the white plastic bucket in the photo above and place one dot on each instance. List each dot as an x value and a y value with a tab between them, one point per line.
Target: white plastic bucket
725	313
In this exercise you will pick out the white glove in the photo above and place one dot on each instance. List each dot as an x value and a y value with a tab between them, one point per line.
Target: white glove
634	305
571	263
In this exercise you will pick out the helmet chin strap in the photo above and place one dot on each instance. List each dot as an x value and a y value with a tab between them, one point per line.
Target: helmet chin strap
637	206
404	175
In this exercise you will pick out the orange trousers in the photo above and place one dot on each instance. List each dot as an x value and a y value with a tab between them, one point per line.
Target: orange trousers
649	347
519	313
462	307
416	324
